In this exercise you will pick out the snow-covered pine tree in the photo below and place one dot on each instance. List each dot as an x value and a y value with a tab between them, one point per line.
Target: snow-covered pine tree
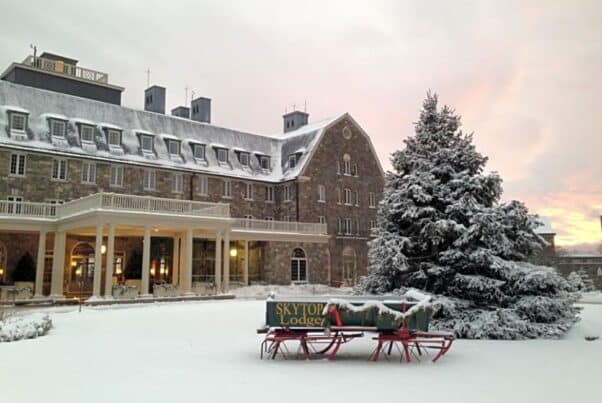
581	281
441	228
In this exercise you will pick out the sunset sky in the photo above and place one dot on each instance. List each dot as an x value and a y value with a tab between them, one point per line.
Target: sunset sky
525	75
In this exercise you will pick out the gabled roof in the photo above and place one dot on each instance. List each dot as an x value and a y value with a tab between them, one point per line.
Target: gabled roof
41	104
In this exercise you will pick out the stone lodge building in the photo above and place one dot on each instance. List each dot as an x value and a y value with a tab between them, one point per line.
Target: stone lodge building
97	199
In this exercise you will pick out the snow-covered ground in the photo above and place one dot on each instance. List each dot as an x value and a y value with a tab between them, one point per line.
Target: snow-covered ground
208	351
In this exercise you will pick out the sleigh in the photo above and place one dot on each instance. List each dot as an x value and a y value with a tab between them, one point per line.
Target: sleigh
310	327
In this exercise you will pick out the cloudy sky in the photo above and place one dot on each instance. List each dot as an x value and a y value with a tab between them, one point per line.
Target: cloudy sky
525	75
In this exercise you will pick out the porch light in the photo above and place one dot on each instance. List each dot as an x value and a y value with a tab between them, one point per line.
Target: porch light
233	252
1	271
73	263
118	270
78	271
103	249
152	271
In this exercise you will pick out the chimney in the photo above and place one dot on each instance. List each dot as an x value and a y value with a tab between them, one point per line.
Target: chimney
154	99
200	110
294	120
181	111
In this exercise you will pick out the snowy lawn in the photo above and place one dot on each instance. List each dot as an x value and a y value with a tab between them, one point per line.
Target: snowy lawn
209	352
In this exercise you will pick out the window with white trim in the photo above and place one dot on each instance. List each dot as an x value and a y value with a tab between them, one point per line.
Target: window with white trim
322	193
356	198
227	189
114	138
199	152
59	169
264	161
347	196
338	167
177	183
86	133
287	193
88	172
298	266
357	226
371	200
339	226
222	155
174	148
149	181
346	164
347	226
116	177
372	225
269	194
14	204
244	159
203	186
339	198
17	164
18	122
57	128
248	191
322	219
146	143
354	170
292	160
54	202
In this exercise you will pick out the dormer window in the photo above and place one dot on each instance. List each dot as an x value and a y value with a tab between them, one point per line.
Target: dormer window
58	128
174	148
146	143
264	161
86	133
199	151
244	159
114	138
292	161
222	155
18	122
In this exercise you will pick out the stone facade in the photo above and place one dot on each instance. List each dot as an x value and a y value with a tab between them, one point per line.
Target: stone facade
277	262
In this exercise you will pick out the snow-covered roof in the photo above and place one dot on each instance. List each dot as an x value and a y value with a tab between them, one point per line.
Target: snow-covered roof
545	227
40	104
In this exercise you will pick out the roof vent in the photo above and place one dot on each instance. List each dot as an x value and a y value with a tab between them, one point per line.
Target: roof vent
154	99
201	110
294	120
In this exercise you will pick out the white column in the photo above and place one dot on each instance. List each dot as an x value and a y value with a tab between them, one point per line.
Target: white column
218	262
110	261
97	263
40	265
145	263
245	268
187	272
175	260
226	280
58	265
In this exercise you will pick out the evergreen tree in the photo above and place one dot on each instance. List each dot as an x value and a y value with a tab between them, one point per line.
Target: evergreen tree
442	229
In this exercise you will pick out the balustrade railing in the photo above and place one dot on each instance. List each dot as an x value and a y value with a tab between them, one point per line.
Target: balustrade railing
60	67
279	226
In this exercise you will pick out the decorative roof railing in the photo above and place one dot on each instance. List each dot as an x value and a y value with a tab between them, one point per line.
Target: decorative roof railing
279	226
60	67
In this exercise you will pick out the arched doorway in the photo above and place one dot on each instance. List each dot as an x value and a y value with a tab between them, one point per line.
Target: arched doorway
81	266
349	273
298	266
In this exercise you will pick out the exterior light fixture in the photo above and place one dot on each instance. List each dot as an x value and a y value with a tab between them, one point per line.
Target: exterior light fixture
1	271
103	249
78	271
233	252
152	271
118	270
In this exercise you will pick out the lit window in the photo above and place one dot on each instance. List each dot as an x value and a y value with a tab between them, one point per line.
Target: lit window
292	160
114	137
57	128
59	169
177	183
269	193
174	148
199	152
86	133
150	179
116	179
248	191
17	164
371	200
222	155
203	188
88	172
321	193
146	142
264	161
347	195
226	189
244	159
18	122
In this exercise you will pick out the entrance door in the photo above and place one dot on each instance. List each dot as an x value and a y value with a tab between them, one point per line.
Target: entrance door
81	270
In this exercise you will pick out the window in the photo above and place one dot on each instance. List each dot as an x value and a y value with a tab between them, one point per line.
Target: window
150	179
86	133
349	266
264	161
199	151
338	195
346	164
322	219
338	167
114	137
298	266
177	183
59	169
321	193
372	225
14	204
57	128
356	198
347	230
244	159
17	164
371	200
248	191
287	192
339	226
292	160
357	226
354	169
53	203
116	178
226	189
248	217
88	172
269	194
203	188
174	148
146	143
222	155
18	122
347	197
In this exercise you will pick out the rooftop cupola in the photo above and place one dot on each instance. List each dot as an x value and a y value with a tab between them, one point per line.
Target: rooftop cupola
154	99
294	120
